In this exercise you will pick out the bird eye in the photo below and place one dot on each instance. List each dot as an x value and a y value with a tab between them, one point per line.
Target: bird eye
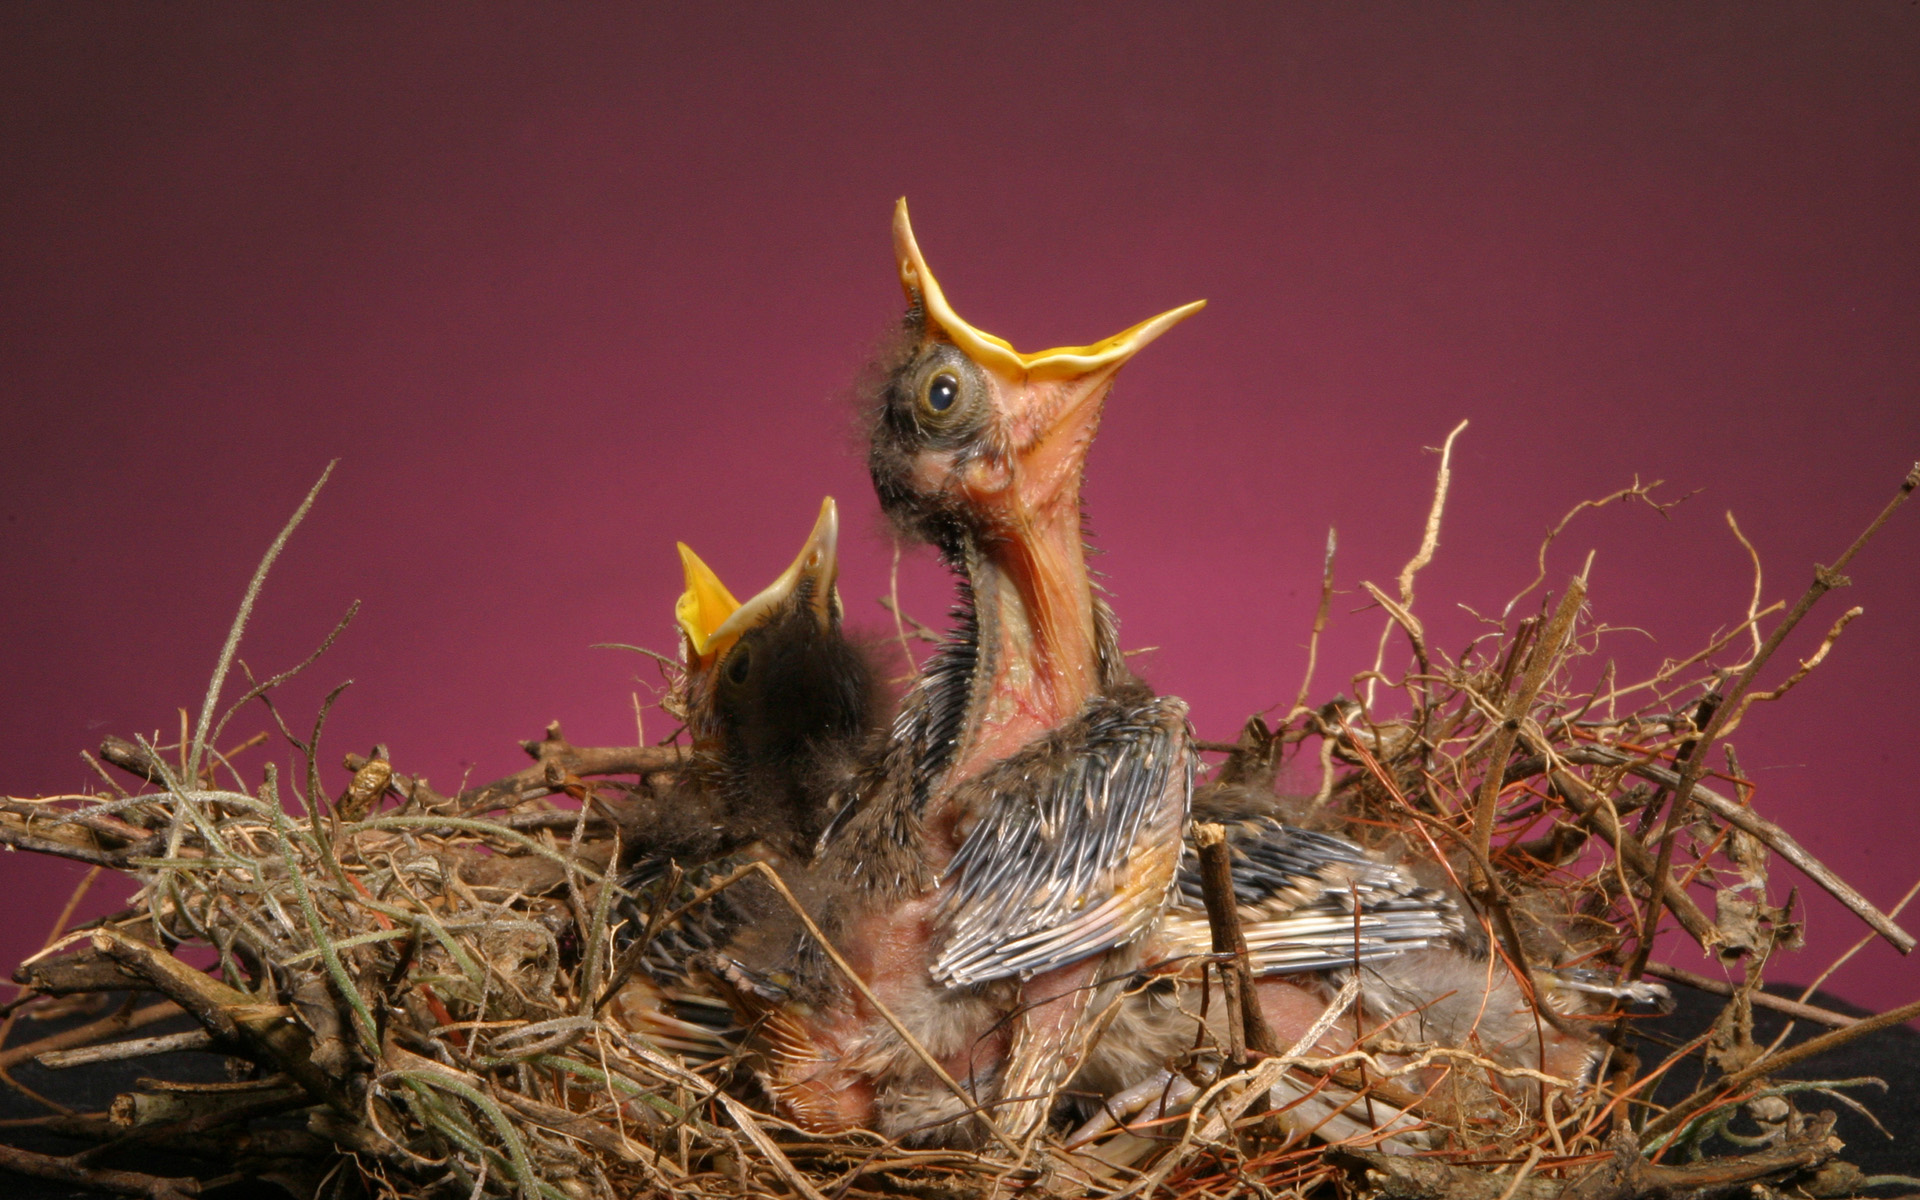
942	390
738	664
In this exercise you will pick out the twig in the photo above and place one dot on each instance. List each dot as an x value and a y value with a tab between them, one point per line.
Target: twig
554	751
1745	819
1783	844
225	1011
1545	656
80	1035
1753	604
1319	626
239	626
1639	491
1247	1026
1626	1176
134	759
1806	667
267	685
75	841
1721	987
1430	536
1429	542
1574	791
1399	615
744	1121
1858	946
166	1043
1520	1176
125	1183
921	631
1825	579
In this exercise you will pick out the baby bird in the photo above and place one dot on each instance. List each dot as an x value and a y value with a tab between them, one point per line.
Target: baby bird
1311	906
1318	912
1020	832
1465	995
778	703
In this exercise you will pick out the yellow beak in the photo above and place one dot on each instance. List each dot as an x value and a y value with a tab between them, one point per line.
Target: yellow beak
704	606
1063	362
713	620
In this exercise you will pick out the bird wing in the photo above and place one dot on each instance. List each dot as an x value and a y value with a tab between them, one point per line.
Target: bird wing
1075	848
1310	901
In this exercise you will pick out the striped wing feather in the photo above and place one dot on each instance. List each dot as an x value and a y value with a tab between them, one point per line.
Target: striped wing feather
1075	846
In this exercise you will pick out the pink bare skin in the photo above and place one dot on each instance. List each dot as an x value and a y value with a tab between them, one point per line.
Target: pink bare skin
1026	489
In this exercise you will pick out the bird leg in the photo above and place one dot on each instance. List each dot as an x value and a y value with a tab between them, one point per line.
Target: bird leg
1050	1037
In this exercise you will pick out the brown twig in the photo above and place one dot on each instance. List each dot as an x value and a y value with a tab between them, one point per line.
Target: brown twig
1766	1066
1825	579
1603	821
1777	839
1720	987
124	1183
166	1043
1545	656
1247	1027
73	841
134	759
1319	626
553	750
1626	1176
119	1022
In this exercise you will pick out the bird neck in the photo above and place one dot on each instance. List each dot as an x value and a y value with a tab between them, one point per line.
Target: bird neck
1039	653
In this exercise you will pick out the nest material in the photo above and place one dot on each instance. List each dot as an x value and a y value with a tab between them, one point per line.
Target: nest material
426	994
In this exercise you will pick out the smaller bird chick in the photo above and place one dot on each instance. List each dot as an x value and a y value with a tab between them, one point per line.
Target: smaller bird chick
1312	905
1466	995
1319	912
778	703
778	700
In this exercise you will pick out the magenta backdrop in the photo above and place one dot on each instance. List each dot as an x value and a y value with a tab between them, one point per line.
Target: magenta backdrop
561	285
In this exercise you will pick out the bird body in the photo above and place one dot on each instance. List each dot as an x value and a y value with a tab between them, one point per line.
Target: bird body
1019	833
779	704
1312	907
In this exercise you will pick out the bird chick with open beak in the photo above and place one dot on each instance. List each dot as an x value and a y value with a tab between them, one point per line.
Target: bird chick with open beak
980	449
1021	830
778	701
779	704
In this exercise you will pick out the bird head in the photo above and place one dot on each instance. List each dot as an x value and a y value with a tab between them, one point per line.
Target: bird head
712	622
775	669
976	436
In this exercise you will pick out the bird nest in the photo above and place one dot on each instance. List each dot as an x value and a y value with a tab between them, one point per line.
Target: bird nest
422	995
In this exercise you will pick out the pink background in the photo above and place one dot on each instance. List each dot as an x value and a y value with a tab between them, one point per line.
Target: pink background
562	285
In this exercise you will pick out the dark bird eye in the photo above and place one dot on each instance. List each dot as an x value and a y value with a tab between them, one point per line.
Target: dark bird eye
738	664
942	391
